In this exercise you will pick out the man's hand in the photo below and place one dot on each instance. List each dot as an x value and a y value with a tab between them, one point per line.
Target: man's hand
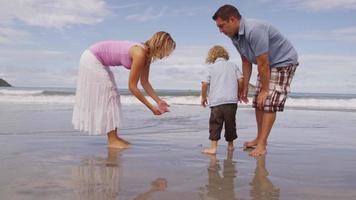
261	98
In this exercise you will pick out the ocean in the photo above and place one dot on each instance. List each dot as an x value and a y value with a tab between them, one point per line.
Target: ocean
65	96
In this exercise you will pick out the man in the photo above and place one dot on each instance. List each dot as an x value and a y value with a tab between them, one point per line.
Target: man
261	44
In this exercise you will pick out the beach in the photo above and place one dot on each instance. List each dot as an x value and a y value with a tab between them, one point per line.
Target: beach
310	153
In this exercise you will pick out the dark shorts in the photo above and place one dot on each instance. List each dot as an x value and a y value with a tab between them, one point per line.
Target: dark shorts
220	115
279	88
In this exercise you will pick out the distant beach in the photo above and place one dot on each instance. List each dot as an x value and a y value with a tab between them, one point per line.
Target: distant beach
310	153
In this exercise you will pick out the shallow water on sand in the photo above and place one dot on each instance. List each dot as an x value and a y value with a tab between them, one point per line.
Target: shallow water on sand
310	156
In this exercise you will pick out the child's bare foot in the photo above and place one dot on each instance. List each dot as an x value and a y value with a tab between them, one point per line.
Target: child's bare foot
251	144
258	151
209	151
230	146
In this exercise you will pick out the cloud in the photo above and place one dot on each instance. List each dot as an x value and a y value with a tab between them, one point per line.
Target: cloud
149	14
319	5
326	73
56	14
315	5
38	76
192	11
347	34
10	35
30	54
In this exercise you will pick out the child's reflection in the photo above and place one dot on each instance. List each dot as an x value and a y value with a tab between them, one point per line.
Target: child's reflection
221	186
261	187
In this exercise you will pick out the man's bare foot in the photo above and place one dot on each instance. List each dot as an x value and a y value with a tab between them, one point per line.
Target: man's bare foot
230	146
209	151
118	143
259	151
251	144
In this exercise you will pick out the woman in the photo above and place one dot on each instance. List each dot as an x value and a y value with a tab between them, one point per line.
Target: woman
97	103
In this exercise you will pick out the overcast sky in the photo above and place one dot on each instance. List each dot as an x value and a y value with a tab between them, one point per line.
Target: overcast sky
41	40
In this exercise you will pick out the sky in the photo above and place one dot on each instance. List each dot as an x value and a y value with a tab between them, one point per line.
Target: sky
41	40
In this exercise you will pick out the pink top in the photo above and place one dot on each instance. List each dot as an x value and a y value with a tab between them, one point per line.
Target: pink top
114	53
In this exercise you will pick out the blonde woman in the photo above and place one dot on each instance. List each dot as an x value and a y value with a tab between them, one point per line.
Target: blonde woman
222	80
97	102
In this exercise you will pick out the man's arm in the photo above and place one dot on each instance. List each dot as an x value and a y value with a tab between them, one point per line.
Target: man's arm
246	71
264	74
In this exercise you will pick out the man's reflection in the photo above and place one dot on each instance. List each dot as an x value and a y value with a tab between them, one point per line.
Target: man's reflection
221	186
98	178
261	187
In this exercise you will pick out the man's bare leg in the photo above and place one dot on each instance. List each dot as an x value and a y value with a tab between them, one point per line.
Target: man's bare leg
212	149
267	124
259	118
115	141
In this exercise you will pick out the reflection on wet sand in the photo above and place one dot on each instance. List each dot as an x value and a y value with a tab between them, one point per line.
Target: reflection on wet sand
160	184
261	187
221	187
98	178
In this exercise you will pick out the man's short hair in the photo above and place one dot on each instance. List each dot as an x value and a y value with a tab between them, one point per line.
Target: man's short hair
227	11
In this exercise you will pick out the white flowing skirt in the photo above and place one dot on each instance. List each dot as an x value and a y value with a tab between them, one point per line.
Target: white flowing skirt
97	108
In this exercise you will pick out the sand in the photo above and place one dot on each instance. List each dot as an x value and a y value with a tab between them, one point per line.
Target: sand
311	155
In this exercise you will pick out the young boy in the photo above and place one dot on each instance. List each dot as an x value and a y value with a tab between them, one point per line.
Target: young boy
222	82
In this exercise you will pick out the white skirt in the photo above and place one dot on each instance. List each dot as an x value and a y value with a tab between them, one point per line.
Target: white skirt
97	108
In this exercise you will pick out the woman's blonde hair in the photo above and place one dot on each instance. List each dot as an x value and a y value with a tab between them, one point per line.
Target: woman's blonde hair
160	45
216	52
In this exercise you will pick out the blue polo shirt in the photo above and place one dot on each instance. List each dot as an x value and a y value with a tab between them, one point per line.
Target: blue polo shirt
256	37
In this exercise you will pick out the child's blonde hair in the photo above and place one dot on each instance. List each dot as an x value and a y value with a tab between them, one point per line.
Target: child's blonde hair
160	45
216	52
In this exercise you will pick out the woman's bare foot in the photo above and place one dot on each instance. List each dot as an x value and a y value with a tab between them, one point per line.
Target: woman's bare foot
118	143
114	141
209	151
258	151
123	140
251	144
230	146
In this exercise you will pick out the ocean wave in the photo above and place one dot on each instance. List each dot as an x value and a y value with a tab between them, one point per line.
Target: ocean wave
20	92
38	96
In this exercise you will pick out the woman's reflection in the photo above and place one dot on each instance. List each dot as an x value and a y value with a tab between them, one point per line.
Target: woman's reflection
160	184
98	178
221	186
261	187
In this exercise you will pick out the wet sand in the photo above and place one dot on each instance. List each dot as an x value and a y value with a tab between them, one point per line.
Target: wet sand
310	156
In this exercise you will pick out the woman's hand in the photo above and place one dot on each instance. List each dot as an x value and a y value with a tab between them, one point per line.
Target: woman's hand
156	111
163	106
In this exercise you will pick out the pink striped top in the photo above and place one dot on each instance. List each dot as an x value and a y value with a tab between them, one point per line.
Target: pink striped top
114	53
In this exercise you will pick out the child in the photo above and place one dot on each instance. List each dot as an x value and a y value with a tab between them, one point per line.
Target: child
222	83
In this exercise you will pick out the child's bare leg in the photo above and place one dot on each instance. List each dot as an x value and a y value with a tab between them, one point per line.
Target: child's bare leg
115	141
230	146
212	149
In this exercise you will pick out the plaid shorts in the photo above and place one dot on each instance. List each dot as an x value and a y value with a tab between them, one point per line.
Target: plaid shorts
279	88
